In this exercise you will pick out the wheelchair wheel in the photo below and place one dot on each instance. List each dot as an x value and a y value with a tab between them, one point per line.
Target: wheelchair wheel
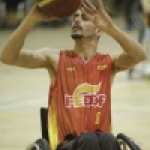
40	144
126	143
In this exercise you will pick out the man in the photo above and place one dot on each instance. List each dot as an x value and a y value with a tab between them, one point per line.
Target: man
79	97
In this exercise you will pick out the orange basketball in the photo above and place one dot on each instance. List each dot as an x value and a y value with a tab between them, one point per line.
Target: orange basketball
58	8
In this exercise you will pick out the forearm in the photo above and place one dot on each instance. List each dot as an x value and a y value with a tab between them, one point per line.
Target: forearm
16	41
129	45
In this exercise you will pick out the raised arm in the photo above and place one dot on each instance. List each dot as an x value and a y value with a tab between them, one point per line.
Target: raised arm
14	55
132	54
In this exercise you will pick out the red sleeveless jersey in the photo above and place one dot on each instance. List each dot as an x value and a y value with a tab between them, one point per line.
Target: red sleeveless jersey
80	99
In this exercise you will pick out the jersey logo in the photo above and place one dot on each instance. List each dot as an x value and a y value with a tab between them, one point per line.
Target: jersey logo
101	67
85	95
70	68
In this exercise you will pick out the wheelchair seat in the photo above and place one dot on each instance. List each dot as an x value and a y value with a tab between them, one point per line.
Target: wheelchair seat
124	142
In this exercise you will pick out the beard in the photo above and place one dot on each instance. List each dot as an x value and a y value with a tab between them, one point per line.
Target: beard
77	36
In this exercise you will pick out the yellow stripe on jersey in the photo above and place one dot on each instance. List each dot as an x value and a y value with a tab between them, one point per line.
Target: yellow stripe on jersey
53	130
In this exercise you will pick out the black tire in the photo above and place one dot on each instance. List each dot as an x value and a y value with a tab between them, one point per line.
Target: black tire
126	142
42	144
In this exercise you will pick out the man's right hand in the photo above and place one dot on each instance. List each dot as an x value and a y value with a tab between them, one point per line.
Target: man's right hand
38	16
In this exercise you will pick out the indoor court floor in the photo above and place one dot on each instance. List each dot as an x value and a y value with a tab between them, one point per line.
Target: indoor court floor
24	91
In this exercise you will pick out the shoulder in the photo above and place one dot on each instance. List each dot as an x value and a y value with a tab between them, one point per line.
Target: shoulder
122	62
48	51
105	56
51	55
51	51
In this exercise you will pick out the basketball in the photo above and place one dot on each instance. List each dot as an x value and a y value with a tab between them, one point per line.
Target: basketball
58	8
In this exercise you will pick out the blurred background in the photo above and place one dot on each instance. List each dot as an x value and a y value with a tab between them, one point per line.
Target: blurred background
23	91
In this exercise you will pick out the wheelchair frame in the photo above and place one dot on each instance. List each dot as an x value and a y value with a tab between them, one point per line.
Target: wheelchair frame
124	142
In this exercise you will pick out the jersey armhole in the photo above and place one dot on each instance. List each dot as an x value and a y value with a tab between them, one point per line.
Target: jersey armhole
111	66
52	88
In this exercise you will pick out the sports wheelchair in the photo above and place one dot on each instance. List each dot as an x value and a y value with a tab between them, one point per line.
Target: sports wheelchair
124	142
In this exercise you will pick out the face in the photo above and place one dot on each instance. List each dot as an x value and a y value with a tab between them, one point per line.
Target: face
82	27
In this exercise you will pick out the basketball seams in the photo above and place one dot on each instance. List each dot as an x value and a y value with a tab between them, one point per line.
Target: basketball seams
60	8
44	2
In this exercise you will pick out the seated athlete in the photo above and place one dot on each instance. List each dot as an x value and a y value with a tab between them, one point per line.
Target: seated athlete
79	110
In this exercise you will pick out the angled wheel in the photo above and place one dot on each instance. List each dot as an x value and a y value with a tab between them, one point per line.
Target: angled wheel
126	143
40	144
